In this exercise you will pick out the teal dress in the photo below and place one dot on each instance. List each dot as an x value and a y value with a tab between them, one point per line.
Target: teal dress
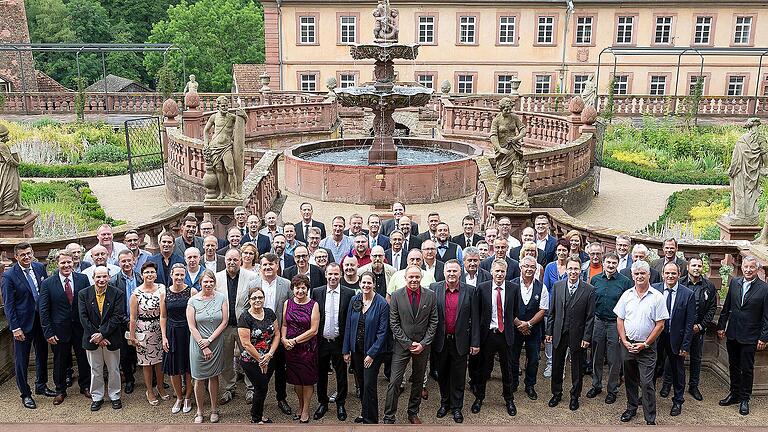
208	317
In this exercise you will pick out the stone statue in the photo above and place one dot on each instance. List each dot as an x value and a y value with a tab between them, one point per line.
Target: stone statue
191	98
589	92
517	195
748	163
224	151
385	29
507	132
10	182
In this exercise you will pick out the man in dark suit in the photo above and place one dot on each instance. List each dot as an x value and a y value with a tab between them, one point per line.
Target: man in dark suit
375	237
498	312
446	249
410	241
623	246
333	300
431	264
206	229
670	255
396	256
302	228
468	237
302	266
675	341
188	237
61	324
569	327
744	322
126	281
640	252
433	219
544	240
76	250
102	314
20	287
262	242
398	212
210	259
458	329
413	320
473	276
528	235
234	239
165	259
500	248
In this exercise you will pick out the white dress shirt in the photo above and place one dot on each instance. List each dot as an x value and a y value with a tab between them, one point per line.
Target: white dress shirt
494	317
211	265
674	297
270	293
332	299
526	292
471	280
641	313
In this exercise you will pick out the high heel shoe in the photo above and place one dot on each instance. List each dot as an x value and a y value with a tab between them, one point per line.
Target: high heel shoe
304	421
215	417
187	406
152	402
177	406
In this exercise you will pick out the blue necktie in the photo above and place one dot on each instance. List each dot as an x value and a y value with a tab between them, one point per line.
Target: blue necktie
31	282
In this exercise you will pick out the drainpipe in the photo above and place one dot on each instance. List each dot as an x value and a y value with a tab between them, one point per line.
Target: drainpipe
280	42
568	13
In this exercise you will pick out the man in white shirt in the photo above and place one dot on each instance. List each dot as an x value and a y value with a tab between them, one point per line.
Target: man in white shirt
106	240
211	260
396	254
99	257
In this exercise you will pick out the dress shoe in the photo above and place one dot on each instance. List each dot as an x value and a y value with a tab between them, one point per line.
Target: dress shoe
531	392
226	397
341	412
555	400
58	399
458	417
627	416
574	404
442	411
610	398
284	407
388	420
414	419
650	422
68	381
86	393
433	375
694	391
359	419
46	392
476	406
594	392
676	409
320	412
729	400
117	404
511	408
28	402
96	405
665	389
129	386
744	408
424	393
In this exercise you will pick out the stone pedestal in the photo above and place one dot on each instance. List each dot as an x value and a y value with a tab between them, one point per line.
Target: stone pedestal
18	227
520	217
737	232
383	151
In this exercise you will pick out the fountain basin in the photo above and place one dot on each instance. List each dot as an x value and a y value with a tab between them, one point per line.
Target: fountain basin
446	171
368	96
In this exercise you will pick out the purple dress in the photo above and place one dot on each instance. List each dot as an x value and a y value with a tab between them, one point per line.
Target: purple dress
301	361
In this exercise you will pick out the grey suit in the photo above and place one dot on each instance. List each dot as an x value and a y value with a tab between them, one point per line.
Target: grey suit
407	328
179	247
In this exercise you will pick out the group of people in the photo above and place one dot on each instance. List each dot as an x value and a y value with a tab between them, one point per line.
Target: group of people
290	302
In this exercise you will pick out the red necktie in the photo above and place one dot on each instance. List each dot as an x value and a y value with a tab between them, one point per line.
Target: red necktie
68	290
499	310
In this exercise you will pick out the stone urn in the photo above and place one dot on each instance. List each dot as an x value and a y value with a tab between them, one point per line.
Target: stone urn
445	87
210	182
170	109
589	115
576	105
515	85
265	79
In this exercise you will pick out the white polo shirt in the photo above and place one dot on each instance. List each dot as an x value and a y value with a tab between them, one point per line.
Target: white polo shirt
640	314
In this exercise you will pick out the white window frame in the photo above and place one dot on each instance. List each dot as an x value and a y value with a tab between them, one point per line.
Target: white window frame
427	29
507	30
424	82
584	25
621	85
345	82
306	84
545	30
742	30
625	27
736	85
308	29
468	29
504	83
543	84
658	85
347	30
702	34
579	81
663	31
465	84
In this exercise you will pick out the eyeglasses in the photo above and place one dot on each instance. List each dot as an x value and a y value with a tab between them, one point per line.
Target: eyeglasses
257	298
301	256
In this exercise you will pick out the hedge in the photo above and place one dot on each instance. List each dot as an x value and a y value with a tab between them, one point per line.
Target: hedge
665	176
98	169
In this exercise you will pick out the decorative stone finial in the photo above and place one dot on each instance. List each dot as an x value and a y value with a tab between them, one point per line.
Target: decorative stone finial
264	79
589	115
576	105
445	87
170	109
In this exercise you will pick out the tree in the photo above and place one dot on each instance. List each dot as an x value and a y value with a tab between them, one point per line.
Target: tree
214	34
49	21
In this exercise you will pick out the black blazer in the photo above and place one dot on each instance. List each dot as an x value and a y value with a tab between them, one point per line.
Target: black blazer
413	243
426	235
681	323
58	317
467	318
345	295
747	323
403	258
316	276
581	308
389	225
462	241
109	322
682	264
299	226
705	295
451	252
163	278
289	262
513	267
439	276
541	256
263	243
511	307
18	299
482	276
655	276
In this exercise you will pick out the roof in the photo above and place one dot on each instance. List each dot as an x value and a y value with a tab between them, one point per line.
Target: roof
46	84
114	84
245	77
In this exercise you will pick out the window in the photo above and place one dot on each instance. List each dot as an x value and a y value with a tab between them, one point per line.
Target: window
504	83
427	29
467	29
658	85
694	79
426	80
624	29
308	30
5	86
347	80
703	30
308	82
546	30
579	81
663	30
736	85
621	85
743	29
584	30
347	29
465	84
507	30
543	84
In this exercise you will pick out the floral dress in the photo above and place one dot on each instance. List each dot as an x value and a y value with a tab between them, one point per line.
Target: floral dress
149	350
262	333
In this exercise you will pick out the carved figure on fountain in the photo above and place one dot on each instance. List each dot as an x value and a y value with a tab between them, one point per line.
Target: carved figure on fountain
10	182
386	27
749	163
507	132
223	151
191	98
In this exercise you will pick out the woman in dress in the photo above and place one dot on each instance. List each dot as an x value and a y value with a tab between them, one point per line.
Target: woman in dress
301	318
207	317
173	324
250	256
529	248
145	333
576	245
256	328
365	343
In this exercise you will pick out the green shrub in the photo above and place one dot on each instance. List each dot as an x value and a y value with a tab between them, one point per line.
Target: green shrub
99	169
105	153
43	122
663	175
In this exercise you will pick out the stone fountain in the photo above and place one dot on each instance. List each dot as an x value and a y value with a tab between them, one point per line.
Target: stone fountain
383	96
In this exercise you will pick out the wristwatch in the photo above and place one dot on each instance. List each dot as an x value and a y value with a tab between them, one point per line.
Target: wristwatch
645	345
529	324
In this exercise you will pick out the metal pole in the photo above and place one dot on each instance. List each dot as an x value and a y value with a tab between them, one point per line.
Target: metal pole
23	83
106	89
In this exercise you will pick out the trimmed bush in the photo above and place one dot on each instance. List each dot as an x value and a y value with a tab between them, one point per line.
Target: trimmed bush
75	170
105	153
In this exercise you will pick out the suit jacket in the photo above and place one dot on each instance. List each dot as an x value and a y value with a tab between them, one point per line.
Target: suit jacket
20	299
581	308
220	263
83	265
345	296
289	262
549	249
680	326
462	241
439	266
109	322
747	322
362	231
705	296
245	277
263	243
658	265
467	330
403	258
511	308
655	275
407	327
513	267
316	276
382	240
389	225
376	326
57	316
179	247
300	229
282	293
163	278
541	258
426	235
482	276
413	243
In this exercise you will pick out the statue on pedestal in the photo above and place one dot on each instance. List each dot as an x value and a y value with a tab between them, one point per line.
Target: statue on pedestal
10	182
507	132
589	92
748	163
385	29
191	98
223	151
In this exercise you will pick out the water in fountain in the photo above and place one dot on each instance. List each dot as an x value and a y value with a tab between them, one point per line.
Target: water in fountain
359	156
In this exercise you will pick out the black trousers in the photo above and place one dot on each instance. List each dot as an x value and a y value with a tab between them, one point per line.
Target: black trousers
452	371
475	369
280	384
260	383
128	361
62	361
22	352
578	355
670	360
741	367
368	377
329	355
532	345
494	344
